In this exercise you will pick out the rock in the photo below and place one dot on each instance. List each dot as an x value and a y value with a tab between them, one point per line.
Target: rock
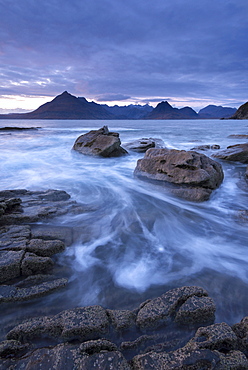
142	145
96	346
237	153
48	232
105	360
206	147
82	323
238	136
10	293
121	319
33	264
195	175
241	330
10	264
159	311
196	309
45	248
14	237
218	337
100	143
32	207
246	172
241	113
12	347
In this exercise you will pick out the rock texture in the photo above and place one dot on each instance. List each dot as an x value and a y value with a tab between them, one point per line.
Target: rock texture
142	145
100	143
195	175
236	153
93	337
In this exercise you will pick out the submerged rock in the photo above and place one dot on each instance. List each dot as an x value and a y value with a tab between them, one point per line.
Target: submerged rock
100	143
237	153
142	145
206	147
193	175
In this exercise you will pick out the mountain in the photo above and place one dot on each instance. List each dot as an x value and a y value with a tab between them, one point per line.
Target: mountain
214	111
241	113
165	111
129	111
65	106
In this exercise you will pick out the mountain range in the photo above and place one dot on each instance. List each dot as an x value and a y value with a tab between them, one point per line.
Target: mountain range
67	106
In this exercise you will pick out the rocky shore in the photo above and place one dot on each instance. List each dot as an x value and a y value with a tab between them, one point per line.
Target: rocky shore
173	331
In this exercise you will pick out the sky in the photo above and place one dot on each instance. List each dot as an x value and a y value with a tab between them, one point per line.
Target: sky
190	53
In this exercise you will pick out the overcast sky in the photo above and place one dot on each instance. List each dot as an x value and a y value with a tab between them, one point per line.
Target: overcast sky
192	52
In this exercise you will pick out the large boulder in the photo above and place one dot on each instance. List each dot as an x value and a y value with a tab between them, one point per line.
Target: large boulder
193	174
100	143
236	153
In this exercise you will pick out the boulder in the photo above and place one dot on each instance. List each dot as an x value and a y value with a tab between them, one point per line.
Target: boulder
121	319
188	174
196	309
10	264
142	145
33	264
45	248
100	143
236	153
160	311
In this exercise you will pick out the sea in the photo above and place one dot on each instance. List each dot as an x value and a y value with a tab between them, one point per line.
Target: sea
135	241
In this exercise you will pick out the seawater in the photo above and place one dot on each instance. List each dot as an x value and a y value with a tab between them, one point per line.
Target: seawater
136	241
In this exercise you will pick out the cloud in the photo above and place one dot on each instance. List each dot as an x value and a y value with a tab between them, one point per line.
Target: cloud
135	48
112	97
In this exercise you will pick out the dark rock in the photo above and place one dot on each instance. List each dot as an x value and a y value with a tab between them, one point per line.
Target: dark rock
48	232
12	348
100	143
96	346
142	145
196	309
206	147
238	136
10	293
159	311
105	360
14	237
218	337
35	206
45	248
13	128
195	175
237	153
121	319
83	323
241	330
33	264
10	264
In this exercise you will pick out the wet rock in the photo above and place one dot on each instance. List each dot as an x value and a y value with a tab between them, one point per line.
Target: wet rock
237	153
10	293
246	172
12	348
105	360
10	264
218	337
82	323
188	174
241	330
238	136
14	237
206	147
159	311
62	356
36	206
195	310
8	204
33	264
100	143
121	319
48	232
45	248
96	346
142	145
